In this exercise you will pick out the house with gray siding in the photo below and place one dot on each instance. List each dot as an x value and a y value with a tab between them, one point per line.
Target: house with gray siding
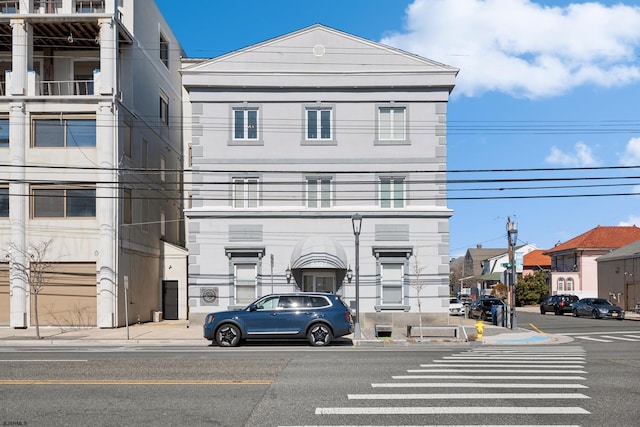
287	140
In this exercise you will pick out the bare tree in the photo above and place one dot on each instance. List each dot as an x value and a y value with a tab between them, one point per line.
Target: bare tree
418	285
32	266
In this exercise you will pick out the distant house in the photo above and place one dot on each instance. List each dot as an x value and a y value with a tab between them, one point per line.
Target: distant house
488	266
619	276
535	261
574	268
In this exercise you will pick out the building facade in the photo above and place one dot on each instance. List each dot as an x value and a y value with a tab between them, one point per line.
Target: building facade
289	139
90	159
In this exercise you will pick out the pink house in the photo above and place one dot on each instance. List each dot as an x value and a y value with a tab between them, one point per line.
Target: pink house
574	269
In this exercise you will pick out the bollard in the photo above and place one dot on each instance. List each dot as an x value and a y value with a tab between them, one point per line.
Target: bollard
480	329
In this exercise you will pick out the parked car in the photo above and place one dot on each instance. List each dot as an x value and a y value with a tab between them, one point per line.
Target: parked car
318	317
465	300
481	308
456	308
559	304
597	308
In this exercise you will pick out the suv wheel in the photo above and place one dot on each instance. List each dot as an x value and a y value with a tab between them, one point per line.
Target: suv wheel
575	313
594	314
228	335
319	335
542	310
557	311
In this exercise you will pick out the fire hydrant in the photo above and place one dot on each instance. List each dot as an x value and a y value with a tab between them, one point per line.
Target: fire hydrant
480	329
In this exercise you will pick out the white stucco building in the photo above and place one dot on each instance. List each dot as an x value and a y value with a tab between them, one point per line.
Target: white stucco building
90	159
287	140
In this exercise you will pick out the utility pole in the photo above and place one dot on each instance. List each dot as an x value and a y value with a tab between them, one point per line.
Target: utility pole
512	237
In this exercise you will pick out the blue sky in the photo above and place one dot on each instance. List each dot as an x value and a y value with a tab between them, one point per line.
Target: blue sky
545	106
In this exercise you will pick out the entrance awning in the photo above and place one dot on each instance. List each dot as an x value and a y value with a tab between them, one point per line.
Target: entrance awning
318	252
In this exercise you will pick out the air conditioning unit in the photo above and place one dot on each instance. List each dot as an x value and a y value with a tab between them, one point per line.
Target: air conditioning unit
209	296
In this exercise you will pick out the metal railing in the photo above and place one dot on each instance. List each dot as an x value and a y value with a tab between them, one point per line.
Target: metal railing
9	6
72	87
47	6
90	6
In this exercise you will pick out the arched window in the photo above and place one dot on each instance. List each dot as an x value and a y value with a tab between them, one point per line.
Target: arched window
561	284
570	285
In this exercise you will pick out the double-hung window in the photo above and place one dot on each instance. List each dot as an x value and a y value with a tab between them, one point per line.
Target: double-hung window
319	192
64	132
164	109
245	192
392	123
4	133
245	124
392	280
164	50
245	283
4	202
64	202
391	192
319	124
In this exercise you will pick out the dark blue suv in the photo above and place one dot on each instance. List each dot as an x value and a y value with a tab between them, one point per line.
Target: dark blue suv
318	317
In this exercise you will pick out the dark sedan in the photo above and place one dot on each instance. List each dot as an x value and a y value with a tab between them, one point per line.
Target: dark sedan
597	308
318	317
482	308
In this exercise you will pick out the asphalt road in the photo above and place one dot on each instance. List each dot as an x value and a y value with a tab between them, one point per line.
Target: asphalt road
587	383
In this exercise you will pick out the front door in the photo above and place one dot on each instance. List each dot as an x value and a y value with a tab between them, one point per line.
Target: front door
319	281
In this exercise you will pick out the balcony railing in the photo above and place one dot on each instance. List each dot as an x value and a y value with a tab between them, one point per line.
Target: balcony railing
55	6
36	87
10	6
71	87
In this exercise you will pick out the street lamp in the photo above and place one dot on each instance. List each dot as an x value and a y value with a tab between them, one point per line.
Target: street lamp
512	233
356	222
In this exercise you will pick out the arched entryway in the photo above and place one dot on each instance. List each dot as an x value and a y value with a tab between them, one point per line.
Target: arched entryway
318	264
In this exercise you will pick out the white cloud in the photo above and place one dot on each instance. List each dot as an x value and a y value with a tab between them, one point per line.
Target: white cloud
581	157
631	156
632	220
523	48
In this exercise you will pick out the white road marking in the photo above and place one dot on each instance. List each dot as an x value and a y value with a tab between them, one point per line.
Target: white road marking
593	339
502	410
480	386
489	377
619	338
498	365
470	396
508	371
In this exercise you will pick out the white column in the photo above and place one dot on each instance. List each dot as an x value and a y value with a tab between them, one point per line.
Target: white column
18	191
108	55
20	53
106	212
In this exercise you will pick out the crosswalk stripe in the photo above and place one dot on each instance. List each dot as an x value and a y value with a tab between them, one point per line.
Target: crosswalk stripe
465	410
480	386
489	377
633	336
469	396
619	338
593	339
492	361
497	365
507	357
570	334
508	371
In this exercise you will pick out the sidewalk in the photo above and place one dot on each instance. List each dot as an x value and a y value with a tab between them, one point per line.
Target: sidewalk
180	333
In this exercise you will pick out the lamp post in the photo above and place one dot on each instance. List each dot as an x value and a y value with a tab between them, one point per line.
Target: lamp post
356	222
512	234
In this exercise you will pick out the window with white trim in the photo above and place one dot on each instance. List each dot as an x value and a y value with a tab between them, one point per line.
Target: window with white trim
392	123
64	202
4	202
4	133
63	131
164	109
164	50
245	192
245	280
392	281
561	285
245	124
319	124
569	285
319	192
391	192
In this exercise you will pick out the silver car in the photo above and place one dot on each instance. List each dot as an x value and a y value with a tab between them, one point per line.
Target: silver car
597	308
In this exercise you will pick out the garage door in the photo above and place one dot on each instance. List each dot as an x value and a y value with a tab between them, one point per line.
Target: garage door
68	297
4	294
